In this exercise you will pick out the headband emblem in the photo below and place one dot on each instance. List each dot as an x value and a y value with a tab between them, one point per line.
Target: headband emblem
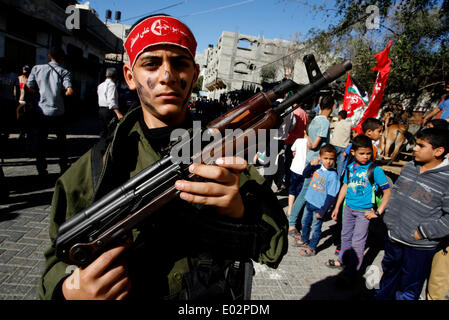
160	27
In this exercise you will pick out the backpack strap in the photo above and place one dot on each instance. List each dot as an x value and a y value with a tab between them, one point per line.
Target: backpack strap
370	173
97	161
61	78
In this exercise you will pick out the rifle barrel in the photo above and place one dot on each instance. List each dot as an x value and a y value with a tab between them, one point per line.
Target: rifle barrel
331	74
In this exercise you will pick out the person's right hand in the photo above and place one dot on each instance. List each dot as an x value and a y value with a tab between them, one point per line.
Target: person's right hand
106	278
424	121
334	215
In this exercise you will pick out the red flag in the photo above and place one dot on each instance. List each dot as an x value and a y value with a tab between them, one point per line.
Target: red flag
383	67
355	101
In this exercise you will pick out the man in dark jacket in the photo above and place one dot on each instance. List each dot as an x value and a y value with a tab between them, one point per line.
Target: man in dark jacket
161	259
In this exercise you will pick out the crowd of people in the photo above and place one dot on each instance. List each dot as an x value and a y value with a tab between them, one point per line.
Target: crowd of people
341	178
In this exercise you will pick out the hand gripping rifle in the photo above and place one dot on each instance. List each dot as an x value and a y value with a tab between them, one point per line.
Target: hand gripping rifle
108	221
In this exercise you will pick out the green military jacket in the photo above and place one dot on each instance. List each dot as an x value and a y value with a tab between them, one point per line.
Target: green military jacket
163	248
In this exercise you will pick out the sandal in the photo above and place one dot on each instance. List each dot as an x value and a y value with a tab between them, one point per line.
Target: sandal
300	244
293	232
331	264
307	252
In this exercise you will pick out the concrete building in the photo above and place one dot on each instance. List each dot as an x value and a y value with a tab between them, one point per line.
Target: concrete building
120	31
239	60
29	28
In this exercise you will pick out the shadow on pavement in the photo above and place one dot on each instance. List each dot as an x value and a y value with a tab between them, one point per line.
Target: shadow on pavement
19	149
340	287
24	193
326	243
25	189
24	202
19	185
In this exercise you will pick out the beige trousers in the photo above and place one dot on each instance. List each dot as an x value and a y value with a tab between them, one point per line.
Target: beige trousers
438	285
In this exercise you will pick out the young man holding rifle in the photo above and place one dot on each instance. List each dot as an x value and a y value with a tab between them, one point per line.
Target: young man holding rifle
191	237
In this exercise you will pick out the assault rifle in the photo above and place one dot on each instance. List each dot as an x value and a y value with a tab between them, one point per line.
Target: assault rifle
110	220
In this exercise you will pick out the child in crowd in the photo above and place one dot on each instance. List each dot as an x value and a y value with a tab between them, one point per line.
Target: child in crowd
417	218
358	192
321	194
372	128
299	150
317	135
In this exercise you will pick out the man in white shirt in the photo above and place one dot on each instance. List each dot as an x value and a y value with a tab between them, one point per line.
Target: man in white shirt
108	101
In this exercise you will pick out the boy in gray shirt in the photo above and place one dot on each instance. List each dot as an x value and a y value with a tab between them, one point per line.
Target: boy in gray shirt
416	217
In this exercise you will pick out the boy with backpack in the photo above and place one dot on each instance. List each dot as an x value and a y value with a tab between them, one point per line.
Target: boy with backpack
360	207
372	128
417	218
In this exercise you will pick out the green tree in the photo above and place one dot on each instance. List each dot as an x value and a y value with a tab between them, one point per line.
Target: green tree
268	73
199	85
419	55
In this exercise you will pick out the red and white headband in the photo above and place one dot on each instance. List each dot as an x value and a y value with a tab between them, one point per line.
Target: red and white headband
158	30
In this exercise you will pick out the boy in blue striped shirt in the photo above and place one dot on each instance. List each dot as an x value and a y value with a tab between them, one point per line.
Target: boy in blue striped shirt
320	195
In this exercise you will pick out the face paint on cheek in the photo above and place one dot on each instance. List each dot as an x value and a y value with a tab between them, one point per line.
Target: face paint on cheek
150	84
144	96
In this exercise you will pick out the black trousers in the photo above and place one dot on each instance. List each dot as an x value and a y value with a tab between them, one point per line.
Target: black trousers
41	126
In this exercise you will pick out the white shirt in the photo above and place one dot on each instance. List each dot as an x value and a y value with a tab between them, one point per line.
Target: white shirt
299	161
107	94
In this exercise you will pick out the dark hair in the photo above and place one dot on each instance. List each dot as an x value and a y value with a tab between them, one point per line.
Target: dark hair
328	148
361	141
371	124
440	124
436	137
57	53
343	114
146	17
111	73
327	102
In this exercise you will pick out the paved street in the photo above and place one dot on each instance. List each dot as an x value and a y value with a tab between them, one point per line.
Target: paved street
24	237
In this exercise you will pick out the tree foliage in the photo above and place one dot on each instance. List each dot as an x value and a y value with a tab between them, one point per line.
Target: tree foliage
199	85
268	73
419	55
